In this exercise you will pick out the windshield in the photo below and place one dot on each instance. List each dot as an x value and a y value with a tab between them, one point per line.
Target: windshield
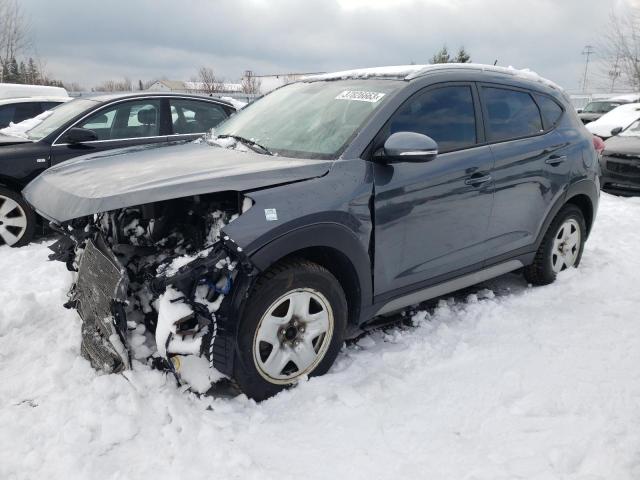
632	131
600	107
310	120
58	117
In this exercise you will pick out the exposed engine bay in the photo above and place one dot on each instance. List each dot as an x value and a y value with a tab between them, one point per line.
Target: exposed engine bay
154	284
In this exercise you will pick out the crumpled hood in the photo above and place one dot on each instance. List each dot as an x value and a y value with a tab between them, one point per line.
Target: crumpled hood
134	176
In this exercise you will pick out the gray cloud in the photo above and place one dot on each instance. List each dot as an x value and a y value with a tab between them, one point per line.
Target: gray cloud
91	41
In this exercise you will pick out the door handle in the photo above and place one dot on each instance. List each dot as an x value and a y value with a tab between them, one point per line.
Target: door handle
477	179
554	160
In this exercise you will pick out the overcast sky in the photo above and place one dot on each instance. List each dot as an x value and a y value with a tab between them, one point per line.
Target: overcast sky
90	41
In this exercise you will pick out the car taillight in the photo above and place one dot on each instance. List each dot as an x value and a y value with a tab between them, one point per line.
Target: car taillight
598	144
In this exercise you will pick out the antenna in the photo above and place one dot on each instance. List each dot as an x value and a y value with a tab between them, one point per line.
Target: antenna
588	51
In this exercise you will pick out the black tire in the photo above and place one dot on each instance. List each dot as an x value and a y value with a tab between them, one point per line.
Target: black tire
25	234
541	271
280	280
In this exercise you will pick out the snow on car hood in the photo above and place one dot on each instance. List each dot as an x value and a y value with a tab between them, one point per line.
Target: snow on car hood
133	176
621	116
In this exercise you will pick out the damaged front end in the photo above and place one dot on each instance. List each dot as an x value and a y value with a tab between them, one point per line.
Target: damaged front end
156	284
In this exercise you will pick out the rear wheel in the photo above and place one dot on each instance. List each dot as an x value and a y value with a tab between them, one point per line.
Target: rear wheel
17	219
292	327
561	247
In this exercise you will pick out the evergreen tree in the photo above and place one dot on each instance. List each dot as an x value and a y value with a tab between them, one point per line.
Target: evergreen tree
13	72
32	72
442	56
22	73
463	56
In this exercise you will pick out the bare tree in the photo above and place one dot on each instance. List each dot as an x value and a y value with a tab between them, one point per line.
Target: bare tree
123	85
14	32
250	83
210	83
621	47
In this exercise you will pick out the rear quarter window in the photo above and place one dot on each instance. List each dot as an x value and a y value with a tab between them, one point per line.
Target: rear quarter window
510	114
551	111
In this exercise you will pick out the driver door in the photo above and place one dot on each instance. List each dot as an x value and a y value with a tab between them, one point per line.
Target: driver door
432	218
123	124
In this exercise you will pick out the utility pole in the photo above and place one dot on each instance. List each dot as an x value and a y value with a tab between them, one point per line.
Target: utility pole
615	72
588	51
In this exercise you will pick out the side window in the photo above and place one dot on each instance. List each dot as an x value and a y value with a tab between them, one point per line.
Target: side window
126	120
49	105
551	111
193	116
25	111
445	114
511	114
6	115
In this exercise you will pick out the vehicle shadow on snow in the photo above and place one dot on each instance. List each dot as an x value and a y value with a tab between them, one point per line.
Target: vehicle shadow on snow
509	284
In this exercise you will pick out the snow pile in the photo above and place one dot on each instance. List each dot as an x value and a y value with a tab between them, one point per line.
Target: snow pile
20	129
499	382
409	72
395	71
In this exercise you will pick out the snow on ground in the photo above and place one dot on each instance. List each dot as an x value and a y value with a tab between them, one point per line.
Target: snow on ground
521	383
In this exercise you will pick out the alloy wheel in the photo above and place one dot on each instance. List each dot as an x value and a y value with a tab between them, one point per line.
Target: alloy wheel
566	246
13	221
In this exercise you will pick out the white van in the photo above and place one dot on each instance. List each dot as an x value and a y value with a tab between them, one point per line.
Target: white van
13	90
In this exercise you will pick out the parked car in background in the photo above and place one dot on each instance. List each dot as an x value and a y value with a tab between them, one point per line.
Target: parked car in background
16	110
91	125
620	162
594	110
323	205
15	90
615	121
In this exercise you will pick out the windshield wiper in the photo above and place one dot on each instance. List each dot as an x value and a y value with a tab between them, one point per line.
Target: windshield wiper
256	147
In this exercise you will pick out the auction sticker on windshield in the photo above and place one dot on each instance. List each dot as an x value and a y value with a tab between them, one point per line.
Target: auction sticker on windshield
360	96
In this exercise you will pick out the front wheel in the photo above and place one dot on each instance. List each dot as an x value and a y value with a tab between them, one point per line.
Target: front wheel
293	326
561	247
17	219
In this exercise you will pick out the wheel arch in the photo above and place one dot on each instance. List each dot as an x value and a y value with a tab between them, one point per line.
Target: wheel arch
332	246
10	184
583	202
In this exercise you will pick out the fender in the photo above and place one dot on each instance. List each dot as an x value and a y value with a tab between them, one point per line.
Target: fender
330	235
586	187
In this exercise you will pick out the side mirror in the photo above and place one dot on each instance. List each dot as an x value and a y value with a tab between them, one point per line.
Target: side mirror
616	131
410	147
579	110
81	135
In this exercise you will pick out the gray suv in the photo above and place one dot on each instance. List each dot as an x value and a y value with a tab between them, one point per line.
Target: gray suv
317	211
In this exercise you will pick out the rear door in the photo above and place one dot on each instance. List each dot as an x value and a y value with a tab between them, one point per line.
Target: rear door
431	218
192	118
121	124
530	169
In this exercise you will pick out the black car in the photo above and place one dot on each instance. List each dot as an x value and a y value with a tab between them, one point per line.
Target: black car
620	162
319	209
594	110
90	125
